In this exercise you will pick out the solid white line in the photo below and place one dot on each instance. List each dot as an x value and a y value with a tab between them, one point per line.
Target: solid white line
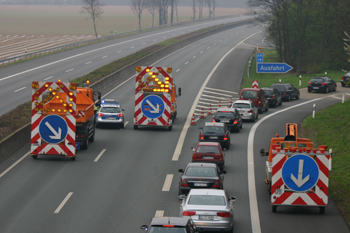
99	155
63	202
187	124
177	70
119	51
155	40
216	93
167	182
69	70
186	63
20	89
48	78
13	165
220	90
208	48
194	57
214	43
159	213
132	47
88	62
201	52
105	56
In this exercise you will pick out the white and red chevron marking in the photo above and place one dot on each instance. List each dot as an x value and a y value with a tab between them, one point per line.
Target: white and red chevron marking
255	84
81	113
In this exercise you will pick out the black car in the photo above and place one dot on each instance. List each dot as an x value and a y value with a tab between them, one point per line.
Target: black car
230	116
287	90
215	132
273	96
323	84
171	225
200	175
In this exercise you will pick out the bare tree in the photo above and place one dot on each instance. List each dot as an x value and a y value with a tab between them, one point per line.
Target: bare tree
194	9
163	11
137	7
209	7
94	9
152	9
200	8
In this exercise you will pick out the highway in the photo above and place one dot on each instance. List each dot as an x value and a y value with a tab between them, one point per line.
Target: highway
15	80
128	176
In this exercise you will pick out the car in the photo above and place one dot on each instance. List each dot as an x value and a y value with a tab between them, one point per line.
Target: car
247	109
215	132
345	80
274	97
170	225
200	175
322	83
256	95
110	113
209	152
229	116
210	209
287	90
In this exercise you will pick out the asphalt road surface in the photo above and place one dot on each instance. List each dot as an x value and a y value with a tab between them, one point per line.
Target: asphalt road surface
128	176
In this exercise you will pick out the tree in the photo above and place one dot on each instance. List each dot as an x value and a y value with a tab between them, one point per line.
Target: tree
200	8
194	9
94	9
152	9
137	7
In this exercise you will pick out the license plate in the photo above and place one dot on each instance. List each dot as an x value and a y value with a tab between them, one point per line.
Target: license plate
77	145
213	137
111	118
208	157
225	121
315	87
200	185
206	217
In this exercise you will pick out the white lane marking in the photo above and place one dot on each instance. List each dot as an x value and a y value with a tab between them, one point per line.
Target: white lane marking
69	70
13	165
186	63
63	202
105	56
220	90
201	52
336	97
48	78
99	155
208	48
187	124
164	37
20	89
215	97
132	47
88	62
214	43
155	40
167	182
159	213
194	57
119	51
216	93
177	70
144	43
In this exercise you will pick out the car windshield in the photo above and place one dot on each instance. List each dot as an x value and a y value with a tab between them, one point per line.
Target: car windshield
213	129
208	149
268	92
201	171
250	94
206	200
161	229
110	110
240	105
347	74
279	87
225	114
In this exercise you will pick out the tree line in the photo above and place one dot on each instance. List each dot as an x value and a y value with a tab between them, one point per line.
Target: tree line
310	35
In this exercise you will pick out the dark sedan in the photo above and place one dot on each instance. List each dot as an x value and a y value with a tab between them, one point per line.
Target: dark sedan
273	96
323	84
215	132
200	175
229	116
287	90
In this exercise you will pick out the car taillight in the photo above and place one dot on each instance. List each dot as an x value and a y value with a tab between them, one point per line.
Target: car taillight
194	156
235	122
259	102
202	136
213	120
342	78
225	137
81	136
250	111
188	213
121	115
101	114
223	214
184	183
310	82
284	93
221	157
272	97
323	83
216	184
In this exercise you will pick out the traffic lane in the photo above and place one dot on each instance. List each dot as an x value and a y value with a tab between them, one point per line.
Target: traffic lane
292	219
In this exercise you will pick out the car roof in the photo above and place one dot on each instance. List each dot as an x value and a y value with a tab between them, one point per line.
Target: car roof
267	88
243	101
208	144
177	221
225	109
323	77
218	192
201	165
214	124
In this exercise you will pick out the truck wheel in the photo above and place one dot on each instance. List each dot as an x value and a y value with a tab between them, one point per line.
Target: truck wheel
86	144
35	156
170	127
269	188
122	125
274	208
136	126
342	84
322	209
72	158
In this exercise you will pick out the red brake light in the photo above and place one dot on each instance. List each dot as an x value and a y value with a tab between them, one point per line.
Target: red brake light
225	137
202	136
284	93
250	111
224	111
213	120
272	97
184	183
259	102
216	184
121	115
310	82
224	214
323	83
235	122
188	213
168	226
101	114
342	78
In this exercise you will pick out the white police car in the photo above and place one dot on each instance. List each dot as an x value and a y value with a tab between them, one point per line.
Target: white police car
110	113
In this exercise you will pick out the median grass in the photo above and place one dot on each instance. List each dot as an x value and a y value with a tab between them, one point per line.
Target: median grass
331	127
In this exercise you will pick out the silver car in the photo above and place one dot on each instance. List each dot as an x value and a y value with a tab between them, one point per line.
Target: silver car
110	113
247	109
210	209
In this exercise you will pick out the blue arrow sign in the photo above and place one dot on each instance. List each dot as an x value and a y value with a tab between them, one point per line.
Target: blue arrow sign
53	129
259	57
273	67
300	172
152	106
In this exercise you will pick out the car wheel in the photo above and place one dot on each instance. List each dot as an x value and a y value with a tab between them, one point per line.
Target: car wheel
260	110
86	143
34	156
274	105
228	146
97	125
254	118
92	139
335	88
274	208
298	96
322	209
308	90
170	128
122	125
267	108
237	130
72	158
327	90
289	98
281	102
342	84
241	125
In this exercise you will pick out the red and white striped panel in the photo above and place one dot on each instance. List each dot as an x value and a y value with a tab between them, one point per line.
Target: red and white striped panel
38	145
165	118
255	84
81	113
319	197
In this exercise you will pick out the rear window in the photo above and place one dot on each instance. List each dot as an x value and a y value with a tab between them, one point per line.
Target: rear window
206	200
213	129
175	229
201	172
110	110
347	74
225	114
250	94
240	105
268	92
317	79
279	87
208	149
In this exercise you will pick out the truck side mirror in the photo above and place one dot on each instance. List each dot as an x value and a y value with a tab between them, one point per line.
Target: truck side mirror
262	152
179	91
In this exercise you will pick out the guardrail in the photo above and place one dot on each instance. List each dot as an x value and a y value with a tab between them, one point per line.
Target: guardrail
104	38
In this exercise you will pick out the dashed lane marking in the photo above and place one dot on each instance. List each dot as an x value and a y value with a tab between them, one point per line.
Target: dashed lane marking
99	155
69	70
105	56
88	62
20	89
177	70
186	63
63	202
159	213
194	57
167	182
48	78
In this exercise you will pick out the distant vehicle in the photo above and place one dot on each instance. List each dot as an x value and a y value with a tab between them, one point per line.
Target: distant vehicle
324	84
200	175
287	90
215	132
273	96
209	152
110	113
345	80
247	109
210	209
170	225
230	116
256	95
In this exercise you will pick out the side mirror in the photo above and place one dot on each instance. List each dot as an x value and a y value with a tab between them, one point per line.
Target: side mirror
223	172
181	170
123	109
199	229
182	197
192	148
200	127
179	91
144	227
232	198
